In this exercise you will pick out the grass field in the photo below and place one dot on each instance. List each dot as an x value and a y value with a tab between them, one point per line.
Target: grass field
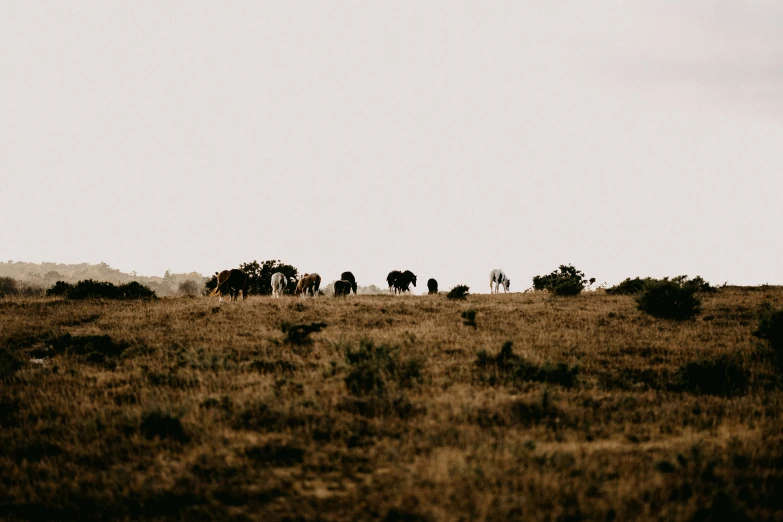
396	410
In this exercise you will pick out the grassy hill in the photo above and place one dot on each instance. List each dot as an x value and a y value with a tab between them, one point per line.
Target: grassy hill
394	410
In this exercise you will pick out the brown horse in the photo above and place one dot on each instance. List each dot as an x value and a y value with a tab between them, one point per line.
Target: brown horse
233	282
309	284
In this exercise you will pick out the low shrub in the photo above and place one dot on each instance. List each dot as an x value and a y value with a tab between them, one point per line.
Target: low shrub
699	283
529	414
566	281
770	329
458	292
629	286
135	290
469	318
89	289
670	299
101	349
59	289
507	368
162	425
298	334
86	344
723	376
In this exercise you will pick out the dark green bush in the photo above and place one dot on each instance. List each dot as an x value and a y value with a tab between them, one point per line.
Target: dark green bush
566	281
637	285
59	289
507	368
89	289
629	286
771	330
458	292
700	284
670	299
134	290
723	376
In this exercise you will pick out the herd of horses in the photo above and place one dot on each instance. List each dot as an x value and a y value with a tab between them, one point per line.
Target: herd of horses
234	283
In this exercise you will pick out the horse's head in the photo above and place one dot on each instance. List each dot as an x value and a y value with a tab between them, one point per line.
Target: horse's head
507	284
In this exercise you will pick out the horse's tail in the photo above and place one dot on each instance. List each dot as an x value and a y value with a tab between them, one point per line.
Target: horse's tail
217	285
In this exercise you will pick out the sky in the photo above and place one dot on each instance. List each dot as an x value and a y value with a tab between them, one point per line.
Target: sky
635	138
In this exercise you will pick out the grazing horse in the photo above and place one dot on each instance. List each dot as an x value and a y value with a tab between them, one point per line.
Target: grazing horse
342	287
347	276
309	284
232	282
279	283
498	278
400	282
432	286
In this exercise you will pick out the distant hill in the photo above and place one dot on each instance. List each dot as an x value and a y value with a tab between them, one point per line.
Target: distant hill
328	289
46	274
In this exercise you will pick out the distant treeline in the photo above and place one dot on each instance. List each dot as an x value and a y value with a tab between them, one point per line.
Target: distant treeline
21	278
45	275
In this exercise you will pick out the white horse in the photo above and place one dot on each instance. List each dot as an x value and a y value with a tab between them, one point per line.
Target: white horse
279	283
497	278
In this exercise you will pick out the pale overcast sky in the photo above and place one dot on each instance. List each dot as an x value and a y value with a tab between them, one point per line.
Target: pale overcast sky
449	138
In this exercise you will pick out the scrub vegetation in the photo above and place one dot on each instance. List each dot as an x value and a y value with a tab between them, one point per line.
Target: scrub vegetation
389	408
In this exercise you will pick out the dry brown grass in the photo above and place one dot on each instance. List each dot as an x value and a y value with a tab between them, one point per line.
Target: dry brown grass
210	413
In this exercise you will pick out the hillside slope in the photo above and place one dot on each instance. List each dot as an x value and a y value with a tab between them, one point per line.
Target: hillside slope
394	410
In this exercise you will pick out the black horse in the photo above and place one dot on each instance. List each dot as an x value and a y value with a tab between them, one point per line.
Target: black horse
233	282
400	282
347	276
342	287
